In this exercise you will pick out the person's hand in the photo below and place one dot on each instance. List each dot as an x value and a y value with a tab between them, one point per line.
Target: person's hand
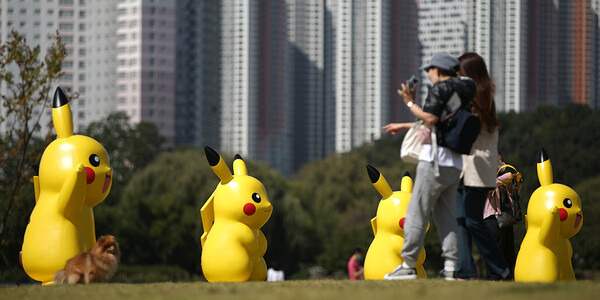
394	128
406	93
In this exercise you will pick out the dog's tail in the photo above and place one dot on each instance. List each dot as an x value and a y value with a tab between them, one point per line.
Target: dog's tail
60	277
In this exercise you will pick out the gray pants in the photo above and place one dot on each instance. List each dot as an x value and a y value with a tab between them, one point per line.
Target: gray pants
436	197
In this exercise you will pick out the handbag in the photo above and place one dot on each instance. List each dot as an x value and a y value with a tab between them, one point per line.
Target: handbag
413	141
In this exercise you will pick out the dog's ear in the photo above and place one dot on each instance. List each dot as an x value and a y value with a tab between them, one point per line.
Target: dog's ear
101	240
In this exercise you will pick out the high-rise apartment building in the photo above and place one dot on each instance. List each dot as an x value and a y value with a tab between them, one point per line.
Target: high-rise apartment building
596	54
405	55
239	76
563	52
348	59
121	55
198	69
99	66
255	106
497	30
309	81
38	21
361	38
442	28
146	34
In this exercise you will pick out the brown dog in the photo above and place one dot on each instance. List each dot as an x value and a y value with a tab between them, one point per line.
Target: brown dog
96	265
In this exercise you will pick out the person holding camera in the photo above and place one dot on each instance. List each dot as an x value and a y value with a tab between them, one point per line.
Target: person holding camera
438	169
479	178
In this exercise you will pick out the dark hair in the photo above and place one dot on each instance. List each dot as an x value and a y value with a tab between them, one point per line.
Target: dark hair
472	65
357	250
444	72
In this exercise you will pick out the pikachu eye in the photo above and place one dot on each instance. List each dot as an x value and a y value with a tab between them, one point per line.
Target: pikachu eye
94	160
256	198
567	203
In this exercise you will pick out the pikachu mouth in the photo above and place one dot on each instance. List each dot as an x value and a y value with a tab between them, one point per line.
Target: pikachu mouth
268	209
578	219
106	183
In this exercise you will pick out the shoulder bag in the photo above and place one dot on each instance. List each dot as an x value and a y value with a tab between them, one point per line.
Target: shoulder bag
412	142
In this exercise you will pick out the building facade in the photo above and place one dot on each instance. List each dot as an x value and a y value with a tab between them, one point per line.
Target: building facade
198	74
497	30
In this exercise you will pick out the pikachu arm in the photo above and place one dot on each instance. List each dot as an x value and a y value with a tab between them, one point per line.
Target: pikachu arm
550	228
207	214
374	225
72	193
36	187
262	243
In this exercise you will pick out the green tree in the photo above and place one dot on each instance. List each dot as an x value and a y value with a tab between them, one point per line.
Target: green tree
28	79
131	147
333	202
586	243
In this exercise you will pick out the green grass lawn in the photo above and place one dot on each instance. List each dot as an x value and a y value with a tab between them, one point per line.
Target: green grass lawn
313	289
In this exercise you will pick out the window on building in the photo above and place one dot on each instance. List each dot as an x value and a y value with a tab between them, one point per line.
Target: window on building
65	26
65	13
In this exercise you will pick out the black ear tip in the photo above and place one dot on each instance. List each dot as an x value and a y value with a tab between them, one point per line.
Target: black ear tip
237	156
543	156
36	169
60	98
212	156
406	174
373	173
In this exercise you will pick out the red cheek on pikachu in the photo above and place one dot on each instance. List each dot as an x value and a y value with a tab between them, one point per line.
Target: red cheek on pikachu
401	223
563	214
90	174
249	209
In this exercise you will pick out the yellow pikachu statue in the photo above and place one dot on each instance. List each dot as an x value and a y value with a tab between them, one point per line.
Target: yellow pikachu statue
74	176
388	226
232	243
553	216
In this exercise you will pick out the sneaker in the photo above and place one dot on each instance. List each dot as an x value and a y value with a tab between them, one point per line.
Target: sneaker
448	275
401	273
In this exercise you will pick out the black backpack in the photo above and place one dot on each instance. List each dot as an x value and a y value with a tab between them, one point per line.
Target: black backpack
459	130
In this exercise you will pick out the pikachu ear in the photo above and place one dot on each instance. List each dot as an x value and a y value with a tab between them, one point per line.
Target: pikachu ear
61	115
218	165
407	183
544	168
379	182
239	166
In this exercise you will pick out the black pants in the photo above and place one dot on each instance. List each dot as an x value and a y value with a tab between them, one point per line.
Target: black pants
505	238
